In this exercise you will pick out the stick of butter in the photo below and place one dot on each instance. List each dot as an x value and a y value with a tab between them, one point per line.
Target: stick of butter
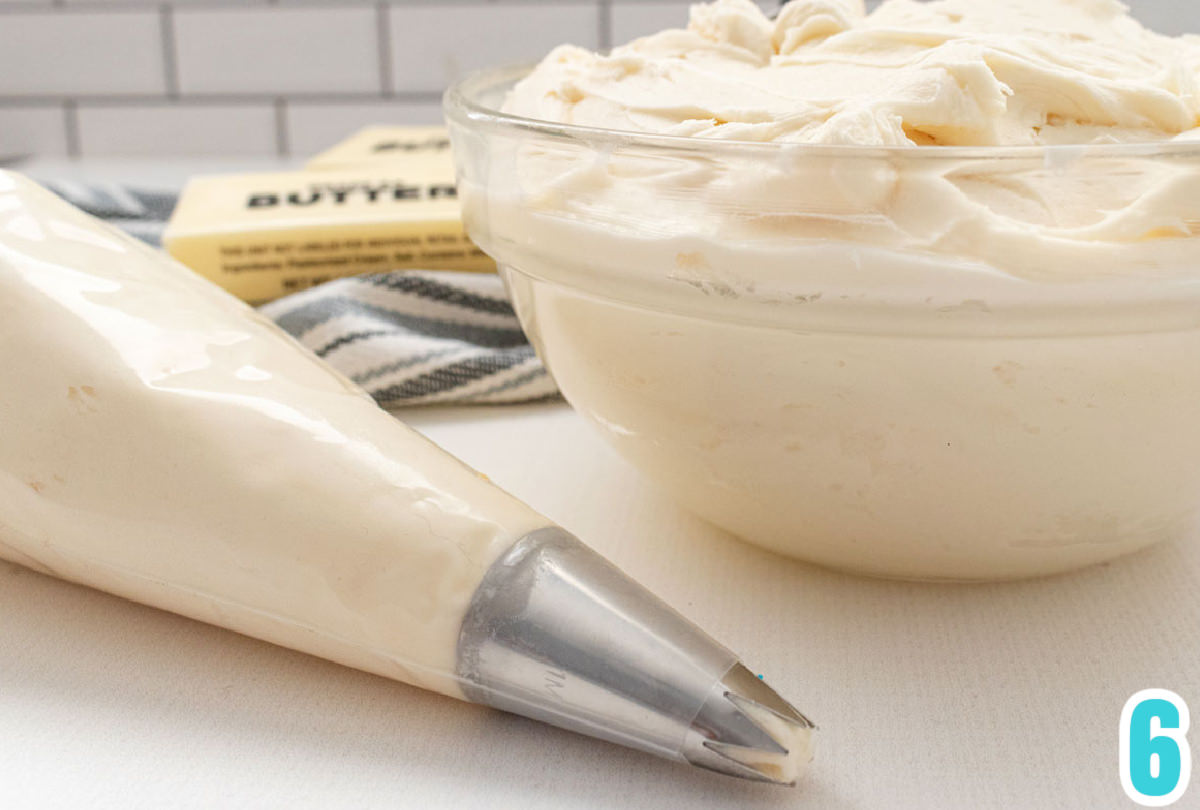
262	236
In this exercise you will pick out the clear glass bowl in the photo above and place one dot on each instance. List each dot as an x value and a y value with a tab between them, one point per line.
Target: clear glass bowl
922	362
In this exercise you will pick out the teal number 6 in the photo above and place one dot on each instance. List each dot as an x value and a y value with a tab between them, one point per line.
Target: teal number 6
1156	761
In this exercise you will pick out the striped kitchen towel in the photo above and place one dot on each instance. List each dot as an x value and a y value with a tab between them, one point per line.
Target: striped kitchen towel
419	337
138	212
408	338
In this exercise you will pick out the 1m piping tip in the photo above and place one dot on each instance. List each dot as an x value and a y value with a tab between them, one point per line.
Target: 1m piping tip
746	729
557	633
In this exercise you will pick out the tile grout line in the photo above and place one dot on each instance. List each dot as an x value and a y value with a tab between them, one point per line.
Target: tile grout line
604	21
71	127
123	6
282	145
170	56
201	99
383	31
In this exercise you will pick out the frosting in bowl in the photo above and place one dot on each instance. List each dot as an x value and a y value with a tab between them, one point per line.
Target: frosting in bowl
940	321
948	72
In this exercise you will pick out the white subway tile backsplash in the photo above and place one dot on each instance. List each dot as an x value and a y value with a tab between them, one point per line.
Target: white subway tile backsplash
277	50
1168	16
32	131
315	127
247	77
126	3
433	45
81	54
170	129
225	3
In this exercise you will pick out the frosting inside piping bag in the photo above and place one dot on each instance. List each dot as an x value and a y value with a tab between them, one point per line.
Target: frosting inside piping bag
162	441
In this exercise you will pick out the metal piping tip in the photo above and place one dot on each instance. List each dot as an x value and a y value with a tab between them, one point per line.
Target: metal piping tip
557	633
746	729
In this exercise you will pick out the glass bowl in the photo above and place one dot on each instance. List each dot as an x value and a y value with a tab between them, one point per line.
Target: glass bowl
913	362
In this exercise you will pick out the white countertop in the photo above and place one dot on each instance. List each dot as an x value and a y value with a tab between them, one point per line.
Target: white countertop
994	696
928	696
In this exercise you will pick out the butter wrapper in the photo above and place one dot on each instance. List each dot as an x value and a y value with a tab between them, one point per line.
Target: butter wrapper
262	236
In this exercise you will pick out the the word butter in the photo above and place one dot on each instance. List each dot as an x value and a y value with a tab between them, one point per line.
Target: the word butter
339	194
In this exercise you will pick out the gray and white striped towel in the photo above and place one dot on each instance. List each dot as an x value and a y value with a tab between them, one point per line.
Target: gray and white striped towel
408	338
419	337
138	212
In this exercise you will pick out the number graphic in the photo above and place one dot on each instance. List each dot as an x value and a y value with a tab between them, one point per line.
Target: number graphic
1156	761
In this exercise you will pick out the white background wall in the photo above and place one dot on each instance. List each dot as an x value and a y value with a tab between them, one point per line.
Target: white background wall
280	77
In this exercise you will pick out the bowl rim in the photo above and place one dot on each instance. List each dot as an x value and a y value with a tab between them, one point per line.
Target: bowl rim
461	104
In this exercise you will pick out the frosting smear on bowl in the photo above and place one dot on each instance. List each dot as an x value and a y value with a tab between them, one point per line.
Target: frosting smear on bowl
946	72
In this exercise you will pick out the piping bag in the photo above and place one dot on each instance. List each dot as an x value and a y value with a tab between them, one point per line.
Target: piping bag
161	441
